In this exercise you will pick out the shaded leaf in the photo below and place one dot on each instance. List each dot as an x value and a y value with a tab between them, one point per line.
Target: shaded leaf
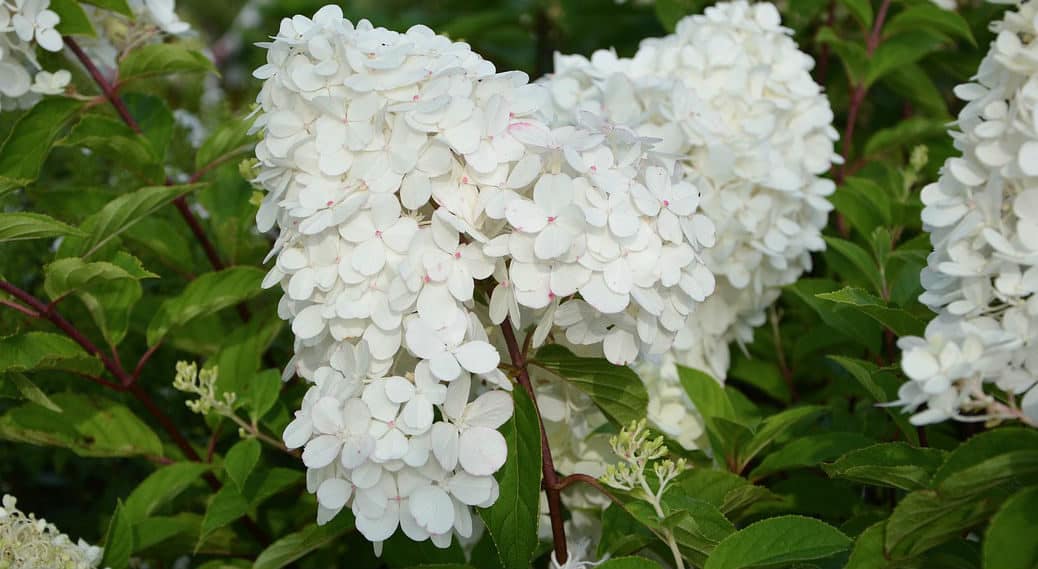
295	545
161	487
898	320
26	148
1009	541
240	461
896	465
783	539
810	451
74	21
206	294
118	541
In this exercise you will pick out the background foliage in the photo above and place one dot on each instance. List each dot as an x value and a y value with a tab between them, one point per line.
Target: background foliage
805	469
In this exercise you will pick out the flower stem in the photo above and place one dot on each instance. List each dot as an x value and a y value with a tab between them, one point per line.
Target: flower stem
550	477
654	499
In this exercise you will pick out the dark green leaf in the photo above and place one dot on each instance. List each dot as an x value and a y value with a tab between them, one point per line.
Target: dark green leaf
163	59
111	138
697	526
1020	466
295	545
852	55
262	393
1009	542
810	451
900	50
74	21
896	465
206	294
26	148
868	549
923	520
240	461
629	563
773	427
161	487
911	82
898	320
617	390
863	372
842	320
706	393
780	540
512	520
20	226
983	447
153	531
861	10
668	12
928	16
118	541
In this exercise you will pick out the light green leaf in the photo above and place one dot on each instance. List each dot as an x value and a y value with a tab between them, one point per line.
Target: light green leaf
43	350
629	563
160	487
1009	542
865	204
119	6
32	393
900	50
898	320
895	465
617	390
19	226
227	140
118	541
119	215
810	451
74	21
88	425
929	16
295	545
512	519
706	393
779	540
262	393
206	294
240	461
26	148
985	446
163	59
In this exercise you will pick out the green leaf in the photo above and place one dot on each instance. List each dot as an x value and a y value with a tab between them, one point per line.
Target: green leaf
161	487
26	148
109	290
74	21
20	226
706	393
295	545
858	258
206	294
924	520
227	140
896	465
852	55
842	320
230	503
913	83
30	392
111	138
629	563
1019	466
43	350
928	16
773	427
898	320
868	549
985	446
262	393
810	451
163	59
119	215
617	390
779	540
697	526
863	372
1009	542
902	49
905	134
153	531
512	519
155	120
118	541
240	461
861	10
239	361
88	425
119	6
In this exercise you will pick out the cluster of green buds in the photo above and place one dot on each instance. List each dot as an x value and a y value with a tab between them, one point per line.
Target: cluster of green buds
636	448
203	384
27	542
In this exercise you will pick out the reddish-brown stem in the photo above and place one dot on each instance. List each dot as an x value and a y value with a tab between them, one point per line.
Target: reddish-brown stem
24	310
210	448
110	93
551	478
826	51
144	359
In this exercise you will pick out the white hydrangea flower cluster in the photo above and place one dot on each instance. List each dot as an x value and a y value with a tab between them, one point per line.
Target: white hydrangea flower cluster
982	215
731	98
27	541
24	25
409	179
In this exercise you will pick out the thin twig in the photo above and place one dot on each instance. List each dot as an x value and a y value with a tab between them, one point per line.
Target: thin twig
24	310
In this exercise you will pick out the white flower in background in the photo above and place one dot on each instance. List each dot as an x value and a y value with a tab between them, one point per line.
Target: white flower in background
24	25
981	278
48	83
28	541
411	185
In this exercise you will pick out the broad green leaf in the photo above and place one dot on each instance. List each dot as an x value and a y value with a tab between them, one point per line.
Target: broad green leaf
206	294
629	563
924	520
43	350
88	425
240	358
119	215
868	549
928	16
706	393
843	320
19	226
985	446
228	140
617	390
697	525
906	133
111	138
1009	542
857	257
852	55
155	530
74	21
230	503
913	83
262	393
779	540
163	59
773	427
898	320
861	10
762	374
864	203
863	372
119	6
155	120
809	451
240	461
896	465
118	541
161	487
295	545
901	49
622	533
30	392
109	290
512	519
1020	466
26	148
